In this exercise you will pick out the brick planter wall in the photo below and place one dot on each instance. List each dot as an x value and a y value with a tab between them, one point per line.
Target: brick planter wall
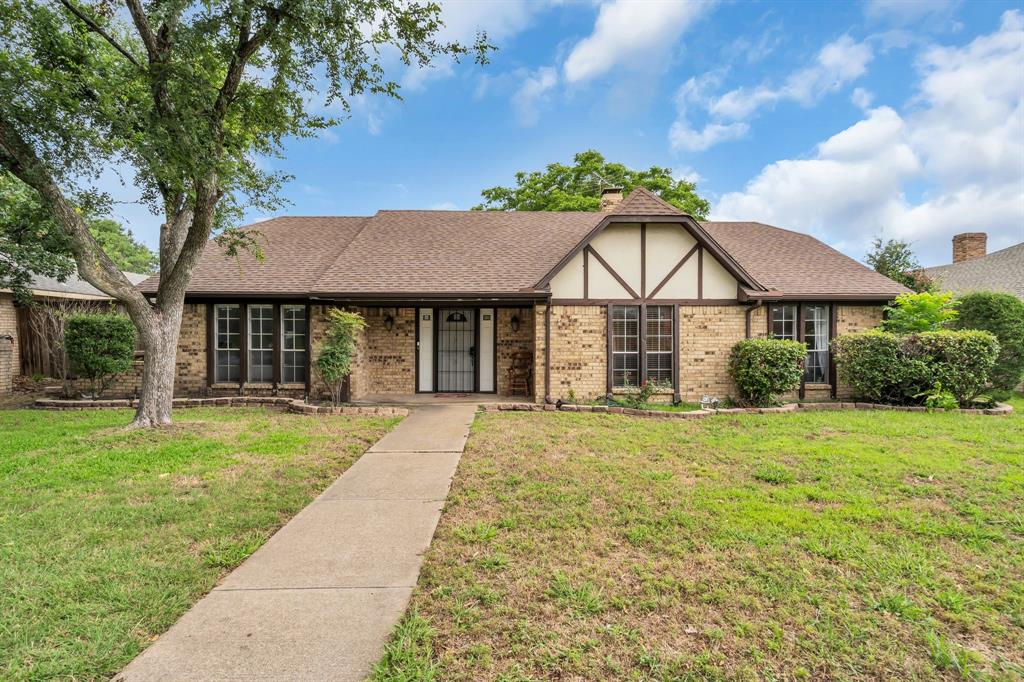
9	358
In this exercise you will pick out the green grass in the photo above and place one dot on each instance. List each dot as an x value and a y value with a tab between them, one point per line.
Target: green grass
108	536
815	545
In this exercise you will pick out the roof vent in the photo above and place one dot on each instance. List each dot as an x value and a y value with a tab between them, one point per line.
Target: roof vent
610	198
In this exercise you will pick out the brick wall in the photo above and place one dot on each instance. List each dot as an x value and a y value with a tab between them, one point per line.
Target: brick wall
386	359
851	319
511	342
706	336
579	352
9	359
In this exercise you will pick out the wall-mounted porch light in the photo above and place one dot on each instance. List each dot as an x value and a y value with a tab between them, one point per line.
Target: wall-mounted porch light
515	323
389	322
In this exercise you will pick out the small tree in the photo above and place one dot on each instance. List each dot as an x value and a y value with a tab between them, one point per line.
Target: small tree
922	312
895	260
1003	316
764	369
99	347
335	360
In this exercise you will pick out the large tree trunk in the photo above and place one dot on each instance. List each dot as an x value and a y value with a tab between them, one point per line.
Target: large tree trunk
159	336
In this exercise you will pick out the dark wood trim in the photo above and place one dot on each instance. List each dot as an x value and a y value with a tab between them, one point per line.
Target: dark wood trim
674	270
608	347
643	260
309	349
700	273
494	352
800	338
642	334
676	365
612	272
277	352
475	355
211	345
833	324
638	301
243	369
586	273
435	349
547	353
691	225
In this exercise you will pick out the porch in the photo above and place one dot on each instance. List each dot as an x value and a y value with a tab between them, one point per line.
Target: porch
426	399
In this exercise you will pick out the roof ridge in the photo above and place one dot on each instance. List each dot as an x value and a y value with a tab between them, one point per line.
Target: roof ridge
341	250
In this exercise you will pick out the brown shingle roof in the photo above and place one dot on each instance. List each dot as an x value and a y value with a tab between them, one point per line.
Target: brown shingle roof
798	264
998	271
495	253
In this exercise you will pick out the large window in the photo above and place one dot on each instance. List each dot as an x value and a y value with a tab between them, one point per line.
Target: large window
659	344
261	343
656	334
784	324
293	344
228	346
816	338
625	345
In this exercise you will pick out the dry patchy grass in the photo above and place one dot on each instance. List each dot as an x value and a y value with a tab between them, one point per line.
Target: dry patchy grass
860	545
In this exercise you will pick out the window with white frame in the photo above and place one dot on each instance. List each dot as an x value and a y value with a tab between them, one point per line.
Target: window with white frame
261	343
227	343
658	336
625	345
294	329
784	322
816	333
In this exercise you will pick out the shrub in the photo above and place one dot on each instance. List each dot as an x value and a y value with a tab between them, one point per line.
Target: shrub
1003	316
764	369
923	312
99	347
885	367
335	360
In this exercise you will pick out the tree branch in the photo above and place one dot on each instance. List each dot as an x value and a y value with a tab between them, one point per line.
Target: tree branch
142	26
93	264
95	28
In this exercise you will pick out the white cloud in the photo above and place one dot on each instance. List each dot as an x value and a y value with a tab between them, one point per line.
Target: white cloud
906	11
631	33
532	92
684	137
961	140
837	64
862	98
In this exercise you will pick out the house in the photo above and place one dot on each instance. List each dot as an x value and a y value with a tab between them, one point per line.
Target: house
589	303
26	333
973	269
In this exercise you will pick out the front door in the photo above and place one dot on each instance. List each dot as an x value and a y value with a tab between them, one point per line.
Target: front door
456	350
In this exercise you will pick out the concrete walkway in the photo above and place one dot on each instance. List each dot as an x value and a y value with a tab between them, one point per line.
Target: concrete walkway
319	599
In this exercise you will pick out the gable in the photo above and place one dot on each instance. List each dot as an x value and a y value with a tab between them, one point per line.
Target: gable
651	261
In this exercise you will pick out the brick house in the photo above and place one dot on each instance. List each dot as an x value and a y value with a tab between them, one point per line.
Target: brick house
589	302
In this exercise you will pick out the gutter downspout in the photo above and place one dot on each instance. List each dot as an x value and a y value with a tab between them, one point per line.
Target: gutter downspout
750	311
547	352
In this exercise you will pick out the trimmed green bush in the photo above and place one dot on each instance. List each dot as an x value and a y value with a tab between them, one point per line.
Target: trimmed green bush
99	347
335	360
764	369
888	368
1003	316
921	312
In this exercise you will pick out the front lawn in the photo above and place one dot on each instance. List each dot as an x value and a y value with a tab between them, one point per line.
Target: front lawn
815	545
107	536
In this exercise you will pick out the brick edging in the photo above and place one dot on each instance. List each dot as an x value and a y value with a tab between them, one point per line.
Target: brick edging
288	404
999	409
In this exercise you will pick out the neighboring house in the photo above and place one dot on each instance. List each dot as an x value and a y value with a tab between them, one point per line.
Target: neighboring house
973	269
592	302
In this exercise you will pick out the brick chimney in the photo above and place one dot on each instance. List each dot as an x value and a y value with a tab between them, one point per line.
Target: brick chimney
610	198
969	245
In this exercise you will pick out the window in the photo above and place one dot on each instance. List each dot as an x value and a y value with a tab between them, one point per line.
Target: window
816	338
261	343
625	345
227	345
784	322
815	333
659	343
293	344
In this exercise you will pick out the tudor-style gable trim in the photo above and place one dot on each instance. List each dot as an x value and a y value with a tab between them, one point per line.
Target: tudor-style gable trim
689	224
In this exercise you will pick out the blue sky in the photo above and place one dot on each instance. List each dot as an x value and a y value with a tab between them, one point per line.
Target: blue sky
841	119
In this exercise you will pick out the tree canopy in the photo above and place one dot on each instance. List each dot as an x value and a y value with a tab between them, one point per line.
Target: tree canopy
578	187
185	97
895	260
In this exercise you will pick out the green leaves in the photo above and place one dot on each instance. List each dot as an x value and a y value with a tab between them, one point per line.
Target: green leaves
895	260
578	187
99	347
764	369
922	312
335	360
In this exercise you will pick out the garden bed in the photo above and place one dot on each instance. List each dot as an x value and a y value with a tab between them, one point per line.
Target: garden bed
999	409
288	404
